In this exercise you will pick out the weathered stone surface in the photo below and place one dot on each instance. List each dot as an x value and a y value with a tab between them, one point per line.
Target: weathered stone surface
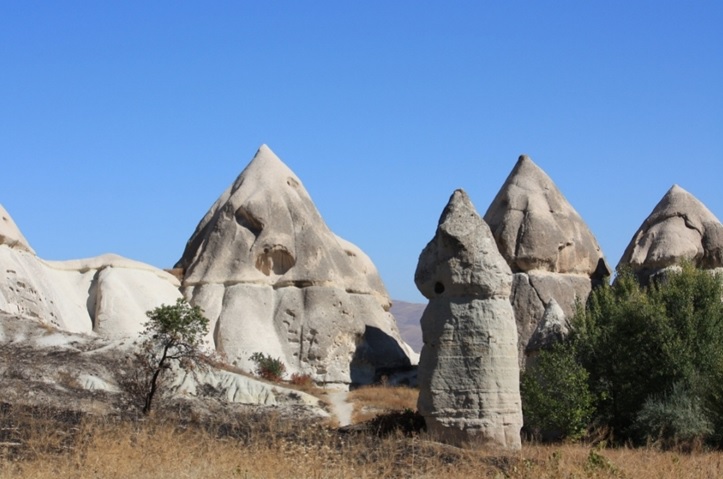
680	227
273	278
468	369
536	228
10	235
552	328
108	295
546	243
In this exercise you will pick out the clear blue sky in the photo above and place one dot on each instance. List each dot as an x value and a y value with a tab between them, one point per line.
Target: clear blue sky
121	122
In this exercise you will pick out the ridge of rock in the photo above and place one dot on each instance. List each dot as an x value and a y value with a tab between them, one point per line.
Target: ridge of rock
10	234
680	227
273	278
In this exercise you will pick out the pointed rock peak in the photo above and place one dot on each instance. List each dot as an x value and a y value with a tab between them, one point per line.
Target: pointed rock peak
677	202
10	234
462	258
680	227
458	208
527	172
265	153
265	164
536	228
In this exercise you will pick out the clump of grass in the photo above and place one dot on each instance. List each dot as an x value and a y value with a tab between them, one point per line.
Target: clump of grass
372	401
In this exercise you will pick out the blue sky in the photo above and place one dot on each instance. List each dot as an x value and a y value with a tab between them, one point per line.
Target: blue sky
122	122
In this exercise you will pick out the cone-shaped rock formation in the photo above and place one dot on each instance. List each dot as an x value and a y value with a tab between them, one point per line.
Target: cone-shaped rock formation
679	228
273	278
546	244
468	369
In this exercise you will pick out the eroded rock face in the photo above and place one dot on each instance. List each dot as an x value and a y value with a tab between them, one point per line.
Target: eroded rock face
468	368
552	328
10	235
273	278
547	245
679	228
108	295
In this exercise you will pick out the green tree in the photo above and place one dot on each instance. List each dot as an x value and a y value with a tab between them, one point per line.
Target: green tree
173	334
556	401
639	343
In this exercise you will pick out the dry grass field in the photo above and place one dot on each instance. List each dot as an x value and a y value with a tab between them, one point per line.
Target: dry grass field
37	443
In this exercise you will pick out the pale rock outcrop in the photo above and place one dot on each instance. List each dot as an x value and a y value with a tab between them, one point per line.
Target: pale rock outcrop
273	278
54	367
548	246
552	328
468	368
108	295
10	235
679	228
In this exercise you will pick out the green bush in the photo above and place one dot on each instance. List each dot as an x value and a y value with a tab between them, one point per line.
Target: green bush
676	419
637	343
271	369
556	401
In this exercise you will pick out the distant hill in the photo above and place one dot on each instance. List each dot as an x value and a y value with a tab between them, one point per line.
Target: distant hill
408	316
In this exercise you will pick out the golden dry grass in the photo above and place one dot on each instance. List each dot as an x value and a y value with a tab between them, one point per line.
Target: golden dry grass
36	443
371	401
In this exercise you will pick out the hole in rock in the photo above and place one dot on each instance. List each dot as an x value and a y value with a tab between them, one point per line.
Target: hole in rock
275	259
438	288
248	221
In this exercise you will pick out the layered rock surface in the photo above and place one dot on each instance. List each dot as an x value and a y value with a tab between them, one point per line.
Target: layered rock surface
548	246
273	278
108	295
468	369
679	228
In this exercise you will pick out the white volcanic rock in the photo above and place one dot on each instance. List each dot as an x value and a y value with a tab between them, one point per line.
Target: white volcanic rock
548	246
536	228
553	327
108	295
273	278
54	367
468	368
10	235
679	228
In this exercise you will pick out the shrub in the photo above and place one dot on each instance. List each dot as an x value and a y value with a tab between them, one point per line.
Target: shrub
556	400
674	419
271	369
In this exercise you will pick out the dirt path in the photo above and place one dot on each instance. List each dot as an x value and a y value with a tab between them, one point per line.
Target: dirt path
340	407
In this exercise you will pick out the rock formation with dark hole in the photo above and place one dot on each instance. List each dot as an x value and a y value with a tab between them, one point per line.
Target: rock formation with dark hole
468	368
273	278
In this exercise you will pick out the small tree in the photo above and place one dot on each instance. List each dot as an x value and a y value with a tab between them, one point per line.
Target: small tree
172	334
556	401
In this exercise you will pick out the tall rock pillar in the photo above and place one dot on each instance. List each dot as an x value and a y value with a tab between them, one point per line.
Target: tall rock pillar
468	369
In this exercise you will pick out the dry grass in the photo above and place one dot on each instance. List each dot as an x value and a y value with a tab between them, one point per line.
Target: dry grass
41	443
371	401
38	443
